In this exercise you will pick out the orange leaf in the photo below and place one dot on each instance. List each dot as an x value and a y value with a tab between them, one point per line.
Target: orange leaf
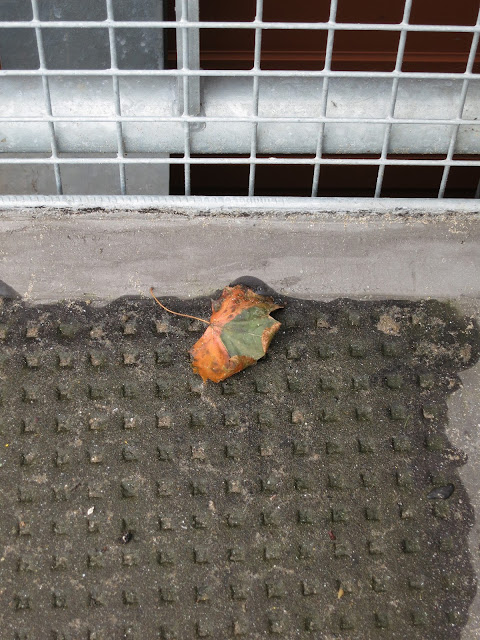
239	334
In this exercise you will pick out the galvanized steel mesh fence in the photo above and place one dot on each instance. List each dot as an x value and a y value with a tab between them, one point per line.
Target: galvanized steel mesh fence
56	116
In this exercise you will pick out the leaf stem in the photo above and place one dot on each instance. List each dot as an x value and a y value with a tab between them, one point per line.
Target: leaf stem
175	313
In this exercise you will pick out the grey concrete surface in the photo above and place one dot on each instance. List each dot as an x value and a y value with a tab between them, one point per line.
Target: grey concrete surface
48	256
103	255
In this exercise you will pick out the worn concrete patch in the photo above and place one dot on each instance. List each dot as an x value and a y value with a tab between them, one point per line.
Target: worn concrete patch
314	495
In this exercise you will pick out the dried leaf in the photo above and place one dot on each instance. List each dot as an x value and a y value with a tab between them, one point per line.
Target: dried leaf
239	334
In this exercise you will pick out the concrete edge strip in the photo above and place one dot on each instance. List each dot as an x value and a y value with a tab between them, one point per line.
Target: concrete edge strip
239	206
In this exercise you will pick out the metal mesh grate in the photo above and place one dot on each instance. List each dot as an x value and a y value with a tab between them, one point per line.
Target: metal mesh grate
243	117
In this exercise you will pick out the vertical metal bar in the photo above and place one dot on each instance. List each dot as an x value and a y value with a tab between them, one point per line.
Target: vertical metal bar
47	98
116	98
323	105
393	97
256	89
192	56
186	97
461	105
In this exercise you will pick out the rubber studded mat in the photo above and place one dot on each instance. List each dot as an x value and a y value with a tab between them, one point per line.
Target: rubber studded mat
315	495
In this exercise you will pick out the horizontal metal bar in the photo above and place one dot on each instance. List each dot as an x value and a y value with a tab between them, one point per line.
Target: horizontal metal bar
235	160
238	73
254	24
289	113
255	206
272	120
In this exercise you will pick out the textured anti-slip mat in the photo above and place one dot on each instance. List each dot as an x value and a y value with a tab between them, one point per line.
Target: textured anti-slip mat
314	495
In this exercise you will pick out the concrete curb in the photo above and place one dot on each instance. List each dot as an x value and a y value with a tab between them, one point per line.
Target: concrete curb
102	255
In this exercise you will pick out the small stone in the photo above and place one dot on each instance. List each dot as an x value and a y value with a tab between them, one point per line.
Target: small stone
441	492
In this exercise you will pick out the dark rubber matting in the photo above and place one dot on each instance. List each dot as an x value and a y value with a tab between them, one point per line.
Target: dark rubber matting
314	495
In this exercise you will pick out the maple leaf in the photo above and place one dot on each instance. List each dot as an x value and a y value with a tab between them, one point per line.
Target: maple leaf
238	334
